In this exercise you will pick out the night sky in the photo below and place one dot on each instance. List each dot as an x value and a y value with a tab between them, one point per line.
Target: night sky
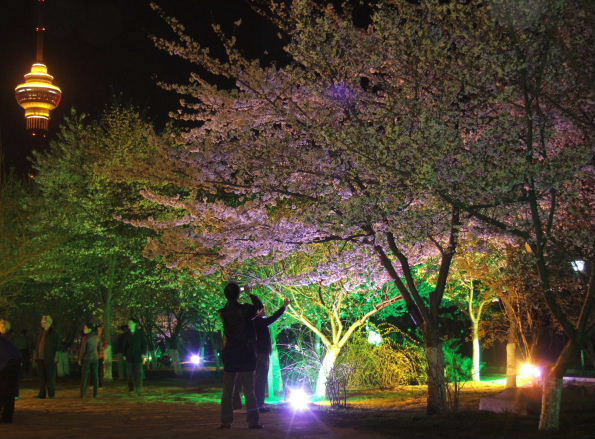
100	49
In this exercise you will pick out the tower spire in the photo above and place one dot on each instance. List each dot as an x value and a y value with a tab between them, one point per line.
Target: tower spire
38	95
40	31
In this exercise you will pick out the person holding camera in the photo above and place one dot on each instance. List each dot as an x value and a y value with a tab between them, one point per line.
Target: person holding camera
239	355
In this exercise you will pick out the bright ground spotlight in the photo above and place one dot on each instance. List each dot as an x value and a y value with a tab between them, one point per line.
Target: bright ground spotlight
530	371
195	359
299	399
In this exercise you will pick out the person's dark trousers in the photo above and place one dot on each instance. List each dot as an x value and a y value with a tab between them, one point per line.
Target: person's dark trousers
89	370
47	378
135	376
246	382
9	389
101	372
261	378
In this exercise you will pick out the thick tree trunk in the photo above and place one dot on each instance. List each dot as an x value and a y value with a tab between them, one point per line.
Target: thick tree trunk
175	359
327	364
549	419
476	352
437	391
510	364
551	398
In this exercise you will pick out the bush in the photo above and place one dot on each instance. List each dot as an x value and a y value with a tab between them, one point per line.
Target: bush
387	365
300	363
337	384
458	370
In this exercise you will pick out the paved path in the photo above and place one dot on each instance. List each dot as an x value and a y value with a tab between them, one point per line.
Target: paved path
162	412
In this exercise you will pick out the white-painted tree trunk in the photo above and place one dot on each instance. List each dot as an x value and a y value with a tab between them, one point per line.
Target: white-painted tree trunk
330	357
476	353
510	365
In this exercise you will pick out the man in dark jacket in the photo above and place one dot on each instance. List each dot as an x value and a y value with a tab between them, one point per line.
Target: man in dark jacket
263	348
134	347
88	359
239	356
10	367
46	357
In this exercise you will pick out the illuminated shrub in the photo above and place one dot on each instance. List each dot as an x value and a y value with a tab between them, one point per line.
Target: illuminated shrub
387	365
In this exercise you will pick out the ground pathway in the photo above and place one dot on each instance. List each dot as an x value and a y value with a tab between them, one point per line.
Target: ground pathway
163	411
188	407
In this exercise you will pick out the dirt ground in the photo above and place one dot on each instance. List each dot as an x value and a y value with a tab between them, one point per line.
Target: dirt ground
189	408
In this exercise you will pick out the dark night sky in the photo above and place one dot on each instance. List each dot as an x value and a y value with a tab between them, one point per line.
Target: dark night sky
99	49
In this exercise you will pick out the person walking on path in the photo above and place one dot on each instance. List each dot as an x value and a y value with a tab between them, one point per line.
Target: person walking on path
264	349
134	347
88	359
46	357
239	356
10	368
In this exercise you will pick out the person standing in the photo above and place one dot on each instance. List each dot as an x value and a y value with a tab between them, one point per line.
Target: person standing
10	367
134	347
264	348
88	359
46	358
239	356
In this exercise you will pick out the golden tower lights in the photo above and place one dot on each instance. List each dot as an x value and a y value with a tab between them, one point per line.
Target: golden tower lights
38	95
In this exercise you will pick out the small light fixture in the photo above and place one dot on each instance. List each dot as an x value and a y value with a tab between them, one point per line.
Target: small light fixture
578	265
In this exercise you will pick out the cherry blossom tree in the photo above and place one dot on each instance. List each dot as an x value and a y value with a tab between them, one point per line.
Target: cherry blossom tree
332	297
319	150
475	270
525	159
388	136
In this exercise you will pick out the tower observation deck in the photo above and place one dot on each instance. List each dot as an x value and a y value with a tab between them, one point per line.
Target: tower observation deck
38	95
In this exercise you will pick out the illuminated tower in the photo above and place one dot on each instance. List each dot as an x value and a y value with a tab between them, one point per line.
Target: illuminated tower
38	95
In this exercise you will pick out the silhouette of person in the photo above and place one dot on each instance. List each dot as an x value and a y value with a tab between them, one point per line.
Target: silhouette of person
88	359
264	348
239	355
10	367
46	357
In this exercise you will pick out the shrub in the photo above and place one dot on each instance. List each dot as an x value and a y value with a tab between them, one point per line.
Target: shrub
458	370
387	365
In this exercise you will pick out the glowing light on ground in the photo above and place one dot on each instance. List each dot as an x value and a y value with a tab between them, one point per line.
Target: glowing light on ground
195	360
299	399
